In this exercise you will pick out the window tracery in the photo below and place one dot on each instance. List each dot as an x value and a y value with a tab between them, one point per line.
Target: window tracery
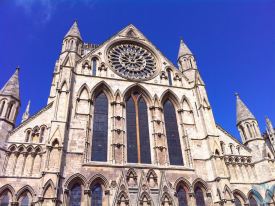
132	61
96	195
172	134
138	142
100	128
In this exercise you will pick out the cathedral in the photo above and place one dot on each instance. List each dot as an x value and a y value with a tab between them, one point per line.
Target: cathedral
124	126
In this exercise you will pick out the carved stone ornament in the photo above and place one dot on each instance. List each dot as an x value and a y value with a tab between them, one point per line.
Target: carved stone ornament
132	61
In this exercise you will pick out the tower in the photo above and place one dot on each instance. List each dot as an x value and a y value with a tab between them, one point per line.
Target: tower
186	62
9	105
246	122
71	51
270	131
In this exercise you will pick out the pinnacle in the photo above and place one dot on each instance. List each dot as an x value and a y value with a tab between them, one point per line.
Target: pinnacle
183	49
11	88
74	31
243	113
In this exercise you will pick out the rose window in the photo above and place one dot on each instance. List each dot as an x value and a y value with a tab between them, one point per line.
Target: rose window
132	61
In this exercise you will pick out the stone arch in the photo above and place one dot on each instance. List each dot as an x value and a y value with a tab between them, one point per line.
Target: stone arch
142	90
76	178
169	94
3	103
38	149
227	193
8	188
200	183
152	177
64	86
82	89
26	189
55	142
117	96
256	195
102	87
145	198
182	182
48	189
240	194
30	149
166	199
188	112
98	178
21	148
122	198
12	148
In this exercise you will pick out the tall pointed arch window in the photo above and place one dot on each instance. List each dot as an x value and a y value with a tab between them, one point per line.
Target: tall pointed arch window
96	195
138	141
5	199
169	73
182	196
172	134
75	195
25	201
252	201
199	197
2	107
100	128
94	66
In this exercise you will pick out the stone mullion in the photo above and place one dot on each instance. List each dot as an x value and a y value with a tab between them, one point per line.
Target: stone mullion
118	133
156	160
185	139
33	158
160	144
15	162
7	157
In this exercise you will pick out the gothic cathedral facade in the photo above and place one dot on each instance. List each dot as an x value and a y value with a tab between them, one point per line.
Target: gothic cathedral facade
124	126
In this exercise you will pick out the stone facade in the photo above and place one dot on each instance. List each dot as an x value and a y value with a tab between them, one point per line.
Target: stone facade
47	159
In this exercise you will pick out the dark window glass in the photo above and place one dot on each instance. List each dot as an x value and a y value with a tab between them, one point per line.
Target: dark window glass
4	199
199	197
100	128
238	202
96	195
9	110
75	195
25	200
182	198
169	77
252	201
172	134
145	153
94	67
2	107
132	155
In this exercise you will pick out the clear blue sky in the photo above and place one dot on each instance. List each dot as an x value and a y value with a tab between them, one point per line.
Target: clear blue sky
233	41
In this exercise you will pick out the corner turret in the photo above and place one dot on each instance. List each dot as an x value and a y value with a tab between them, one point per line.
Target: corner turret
9	105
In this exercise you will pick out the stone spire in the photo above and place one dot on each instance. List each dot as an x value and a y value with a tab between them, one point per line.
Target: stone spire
269	126
74	31
243	112
27	112
183	50
11	88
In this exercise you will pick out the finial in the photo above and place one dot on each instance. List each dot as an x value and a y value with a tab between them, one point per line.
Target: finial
236	94
18	68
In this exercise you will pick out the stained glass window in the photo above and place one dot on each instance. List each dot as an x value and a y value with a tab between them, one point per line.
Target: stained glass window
138	142
4	199
237	201
75	195
25	200
145	154
172	134
169	77
96	195
199	197
100	129
252	201
182	197
132	155
94	66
